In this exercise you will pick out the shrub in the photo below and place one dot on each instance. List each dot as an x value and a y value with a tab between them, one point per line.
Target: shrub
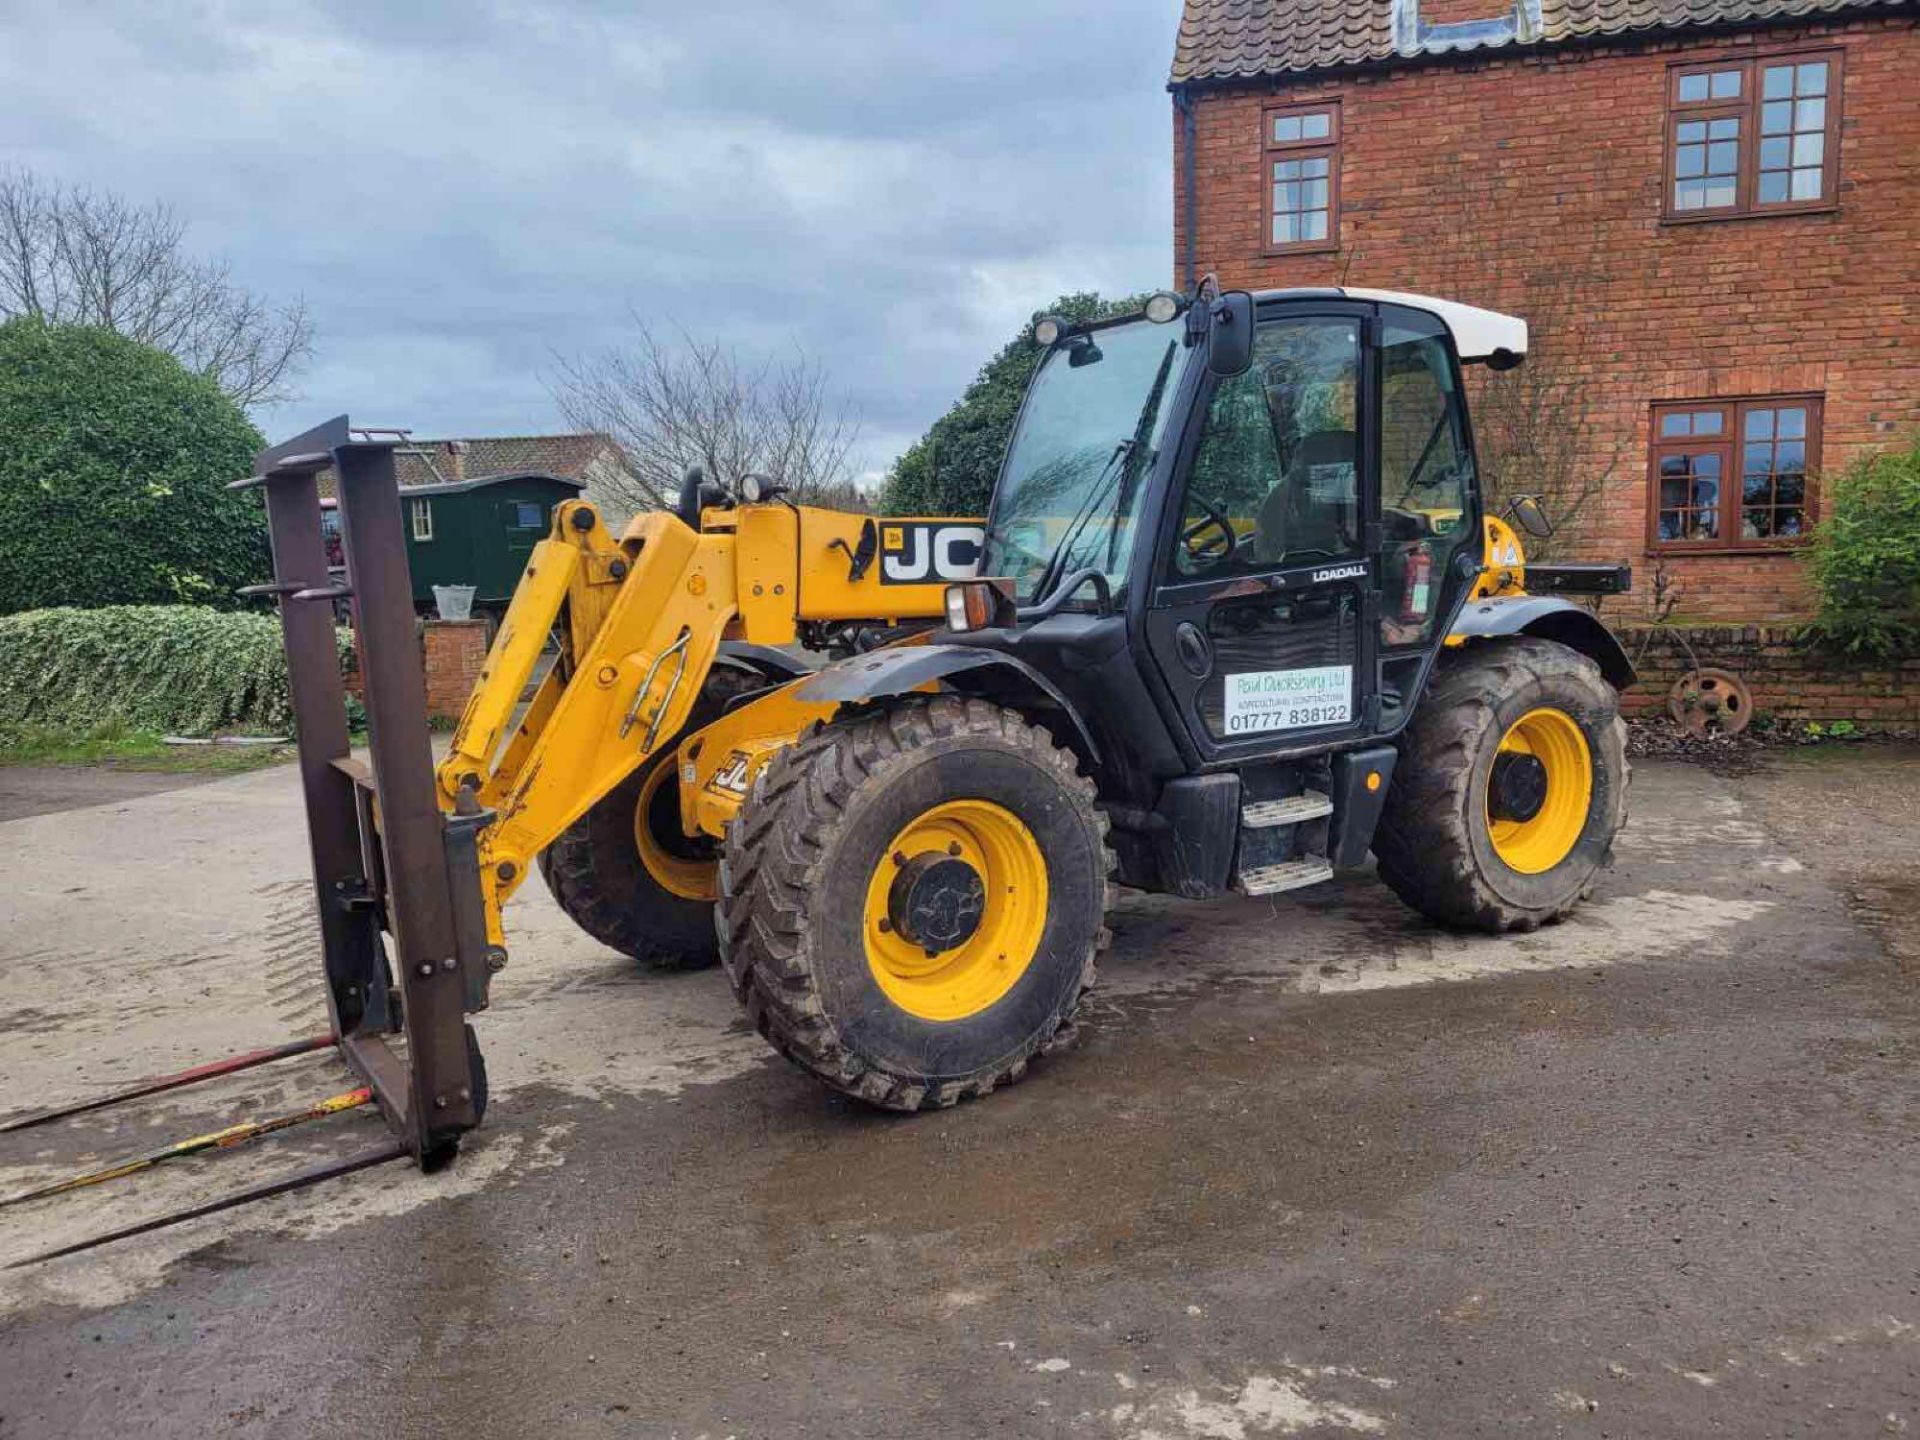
176	669
113	464
1866	555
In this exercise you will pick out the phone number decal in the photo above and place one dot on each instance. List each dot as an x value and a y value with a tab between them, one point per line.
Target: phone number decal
1262	700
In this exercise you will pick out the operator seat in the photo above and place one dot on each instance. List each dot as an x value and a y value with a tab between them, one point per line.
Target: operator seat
1294	519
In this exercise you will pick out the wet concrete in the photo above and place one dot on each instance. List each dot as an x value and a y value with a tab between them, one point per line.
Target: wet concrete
1316	1169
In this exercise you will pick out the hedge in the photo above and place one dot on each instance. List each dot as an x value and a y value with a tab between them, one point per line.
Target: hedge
175	669
114	460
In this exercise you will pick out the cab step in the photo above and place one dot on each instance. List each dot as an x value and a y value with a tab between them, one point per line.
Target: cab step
1288	810
1286	875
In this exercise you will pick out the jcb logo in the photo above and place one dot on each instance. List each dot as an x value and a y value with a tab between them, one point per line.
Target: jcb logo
731	778
919	552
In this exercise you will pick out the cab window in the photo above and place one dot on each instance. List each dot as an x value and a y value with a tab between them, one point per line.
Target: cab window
1275	480
1426	475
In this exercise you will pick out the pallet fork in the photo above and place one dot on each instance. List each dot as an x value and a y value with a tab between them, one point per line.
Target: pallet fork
396	881
386	861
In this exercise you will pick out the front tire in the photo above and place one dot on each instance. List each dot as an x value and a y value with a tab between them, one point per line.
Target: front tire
912	900
1509	790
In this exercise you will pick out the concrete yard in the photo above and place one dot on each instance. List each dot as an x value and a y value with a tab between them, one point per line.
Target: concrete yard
1316	1168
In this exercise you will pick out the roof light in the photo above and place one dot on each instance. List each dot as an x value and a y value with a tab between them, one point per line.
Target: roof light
1048	329
1164	305
758	489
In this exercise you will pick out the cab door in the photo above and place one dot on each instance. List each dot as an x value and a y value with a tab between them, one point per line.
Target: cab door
1263	621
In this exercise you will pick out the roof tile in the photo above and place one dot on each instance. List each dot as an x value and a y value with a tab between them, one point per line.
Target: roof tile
434	462
1234	39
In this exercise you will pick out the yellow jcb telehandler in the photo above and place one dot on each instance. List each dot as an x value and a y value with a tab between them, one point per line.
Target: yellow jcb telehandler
1234	619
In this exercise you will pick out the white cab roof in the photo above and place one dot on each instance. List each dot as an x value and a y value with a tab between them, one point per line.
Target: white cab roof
1477	333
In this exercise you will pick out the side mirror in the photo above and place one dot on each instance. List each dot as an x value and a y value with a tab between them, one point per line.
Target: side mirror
1230	339
1082	351
1532	515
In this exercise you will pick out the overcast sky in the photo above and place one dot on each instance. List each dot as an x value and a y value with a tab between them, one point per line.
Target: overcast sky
460	190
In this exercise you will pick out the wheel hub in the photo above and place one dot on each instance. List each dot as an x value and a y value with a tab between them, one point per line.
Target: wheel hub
955	909
1518	788
1540	791
936	902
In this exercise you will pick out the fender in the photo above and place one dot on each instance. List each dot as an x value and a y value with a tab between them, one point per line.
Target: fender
1550	618
902	669
777	665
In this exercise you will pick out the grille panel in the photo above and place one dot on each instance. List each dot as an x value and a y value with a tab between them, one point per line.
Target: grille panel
1277	632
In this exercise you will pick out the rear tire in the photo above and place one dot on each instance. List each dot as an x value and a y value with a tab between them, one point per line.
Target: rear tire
819	843
597	874
1436	841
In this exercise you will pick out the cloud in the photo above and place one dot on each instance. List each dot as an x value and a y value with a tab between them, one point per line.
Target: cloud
461	191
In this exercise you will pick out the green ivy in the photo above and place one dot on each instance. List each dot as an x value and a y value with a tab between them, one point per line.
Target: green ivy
175	669
114	460
1866	555
951	469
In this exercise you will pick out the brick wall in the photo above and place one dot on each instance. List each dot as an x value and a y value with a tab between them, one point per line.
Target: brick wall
1534	182
1789	678
453	652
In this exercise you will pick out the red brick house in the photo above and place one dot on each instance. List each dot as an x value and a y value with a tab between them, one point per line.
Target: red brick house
1709	209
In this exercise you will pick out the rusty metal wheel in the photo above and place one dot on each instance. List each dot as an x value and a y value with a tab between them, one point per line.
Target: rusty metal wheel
1710	701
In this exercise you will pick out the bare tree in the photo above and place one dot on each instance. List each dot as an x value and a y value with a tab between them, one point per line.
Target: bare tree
84	257
1541	427
1544	428
672	403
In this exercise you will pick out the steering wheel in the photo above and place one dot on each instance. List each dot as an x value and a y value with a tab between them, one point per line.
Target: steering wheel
1214	552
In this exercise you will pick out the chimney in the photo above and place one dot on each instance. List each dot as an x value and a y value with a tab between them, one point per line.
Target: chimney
456	459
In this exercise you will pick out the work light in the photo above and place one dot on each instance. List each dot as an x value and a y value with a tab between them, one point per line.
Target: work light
1164	305
757	489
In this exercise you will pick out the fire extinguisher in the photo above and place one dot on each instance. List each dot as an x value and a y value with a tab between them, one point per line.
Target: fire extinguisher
1414	597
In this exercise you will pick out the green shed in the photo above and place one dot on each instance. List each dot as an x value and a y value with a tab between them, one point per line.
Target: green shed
479	532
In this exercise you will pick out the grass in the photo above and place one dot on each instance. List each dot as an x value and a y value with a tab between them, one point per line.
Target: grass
117	748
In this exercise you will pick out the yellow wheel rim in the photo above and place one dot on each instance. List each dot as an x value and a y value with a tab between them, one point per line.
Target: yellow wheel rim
968	977
1544	839
677	874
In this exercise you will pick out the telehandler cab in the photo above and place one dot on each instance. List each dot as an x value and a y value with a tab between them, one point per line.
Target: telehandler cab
1235	617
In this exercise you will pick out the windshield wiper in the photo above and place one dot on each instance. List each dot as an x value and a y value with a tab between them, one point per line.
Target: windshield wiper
1142	436
1056	566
